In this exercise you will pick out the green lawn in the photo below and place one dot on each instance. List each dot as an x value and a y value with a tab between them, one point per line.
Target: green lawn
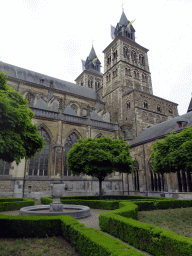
176	220
36	246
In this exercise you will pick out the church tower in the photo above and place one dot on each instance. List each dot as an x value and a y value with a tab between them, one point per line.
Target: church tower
91	76
127	87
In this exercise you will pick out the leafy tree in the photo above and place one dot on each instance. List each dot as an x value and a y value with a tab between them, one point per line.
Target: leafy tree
19	138
99	157
173	153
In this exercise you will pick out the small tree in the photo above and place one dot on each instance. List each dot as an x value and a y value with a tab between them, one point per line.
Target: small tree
19	138
99	157
173	153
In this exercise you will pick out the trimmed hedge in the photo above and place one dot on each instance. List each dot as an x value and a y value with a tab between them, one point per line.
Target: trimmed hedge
16	204
87	241
116	197
122	223
146	236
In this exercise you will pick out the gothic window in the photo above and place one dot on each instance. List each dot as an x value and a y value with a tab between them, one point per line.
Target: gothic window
38	164
74	107
146	79
91	84
136	74
170	111
30	97
72	139
81	83
115	55
136	176
114	73
157	180
109	60
128	105
98	84
109	77
158	109
133	56
95	85
145	105
125	52
141	60
185	180
4	167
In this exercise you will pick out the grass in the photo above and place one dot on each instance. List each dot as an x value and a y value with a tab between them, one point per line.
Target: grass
176	220
36	246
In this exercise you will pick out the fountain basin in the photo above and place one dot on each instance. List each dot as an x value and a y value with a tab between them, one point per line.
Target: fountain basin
75	211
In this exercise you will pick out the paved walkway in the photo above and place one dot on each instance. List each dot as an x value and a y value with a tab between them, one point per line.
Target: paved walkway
91	222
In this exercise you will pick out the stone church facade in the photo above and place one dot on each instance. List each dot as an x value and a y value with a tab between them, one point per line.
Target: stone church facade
119	103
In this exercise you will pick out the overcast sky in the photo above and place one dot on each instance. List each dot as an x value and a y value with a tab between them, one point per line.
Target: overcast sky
52	36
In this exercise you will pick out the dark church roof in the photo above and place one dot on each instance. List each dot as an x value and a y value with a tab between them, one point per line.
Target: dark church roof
160	130
34	77
123	19
92	54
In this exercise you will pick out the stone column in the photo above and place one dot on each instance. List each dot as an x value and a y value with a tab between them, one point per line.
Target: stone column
58	160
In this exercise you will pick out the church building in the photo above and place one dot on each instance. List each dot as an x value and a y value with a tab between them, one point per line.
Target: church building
117	103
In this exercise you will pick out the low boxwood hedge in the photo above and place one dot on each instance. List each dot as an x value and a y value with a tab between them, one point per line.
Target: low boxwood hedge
122	223
87	241
16	204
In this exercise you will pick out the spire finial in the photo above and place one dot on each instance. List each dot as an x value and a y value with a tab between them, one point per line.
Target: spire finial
92	42
122	8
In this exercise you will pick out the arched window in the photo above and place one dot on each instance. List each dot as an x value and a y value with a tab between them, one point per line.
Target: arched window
125	52
158	109
133	56
136	176
141	60
128	105
4	167
72	139
38	164
145	105
157	180
109	77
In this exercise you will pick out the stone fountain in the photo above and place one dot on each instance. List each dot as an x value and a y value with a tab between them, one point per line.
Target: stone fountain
56	208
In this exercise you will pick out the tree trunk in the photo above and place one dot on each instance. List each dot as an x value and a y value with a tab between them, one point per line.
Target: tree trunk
100	189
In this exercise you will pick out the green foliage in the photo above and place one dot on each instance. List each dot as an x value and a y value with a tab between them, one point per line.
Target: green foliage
19	138
99	157
173	153
11	204
122	223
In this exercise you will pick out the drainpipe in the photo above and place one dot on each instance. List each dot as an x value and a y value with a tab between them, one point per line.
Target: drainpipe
145	170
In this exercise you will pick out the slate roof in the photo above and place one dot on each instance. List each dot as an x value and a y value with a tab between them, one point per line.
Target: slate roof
123	19
160	130
69	111
95	116
40	104
92	54
34	77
